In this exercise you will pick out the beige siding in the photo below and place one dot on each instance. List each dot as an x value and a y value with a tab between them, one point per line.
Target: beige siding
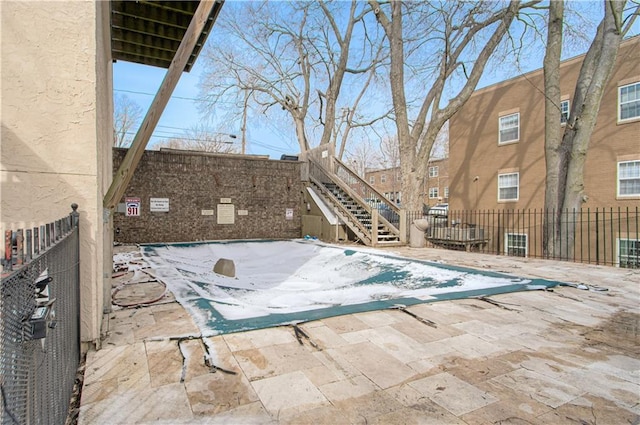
56	126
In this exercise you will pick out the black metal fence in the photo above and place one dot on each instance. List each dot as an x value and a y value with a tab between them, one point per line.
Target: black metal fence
39	322
606	236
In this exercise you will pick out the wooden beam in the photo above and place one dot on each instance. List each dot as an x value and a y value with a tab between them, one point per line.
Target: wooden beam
124	174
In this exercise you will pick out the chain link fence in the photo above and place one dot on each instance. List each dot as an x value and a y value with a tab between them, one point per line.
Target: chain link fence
39	323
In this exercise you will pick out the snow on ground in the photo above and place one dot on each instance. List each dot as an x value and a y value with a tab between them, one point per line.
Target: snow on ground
285	277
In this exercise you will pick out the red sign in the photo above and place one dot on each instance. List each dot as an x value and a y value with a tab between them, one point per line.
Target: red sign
132	206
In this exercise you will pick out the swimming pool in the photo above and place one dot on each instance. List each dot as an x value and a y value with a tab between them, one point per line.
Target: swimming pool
282	282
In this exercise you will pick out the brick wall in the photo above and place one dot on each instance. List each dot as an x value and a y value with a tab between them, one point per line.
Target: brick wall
259	190
477	158
388	182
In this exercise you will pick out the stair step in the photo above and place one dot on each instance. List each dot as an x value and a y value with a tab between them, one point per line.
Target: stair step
358	217
390	243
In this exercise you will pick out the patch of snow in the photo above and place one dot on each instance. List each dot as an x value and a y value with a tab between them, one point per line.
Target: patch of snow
293	276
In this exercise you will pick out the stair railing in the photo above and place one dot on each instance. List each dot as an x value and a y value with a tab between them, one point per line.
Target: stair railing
388	211
322	178
329	169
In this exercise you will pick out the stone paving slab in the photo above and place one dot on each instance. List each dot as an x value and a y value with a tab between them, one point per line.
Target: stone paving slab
289	391
376	364
455	395
564	356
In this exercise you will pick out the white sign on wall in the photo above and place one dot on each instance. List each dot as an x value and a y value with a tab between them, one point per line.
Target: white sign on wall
132	207
159	205
226	214
289	214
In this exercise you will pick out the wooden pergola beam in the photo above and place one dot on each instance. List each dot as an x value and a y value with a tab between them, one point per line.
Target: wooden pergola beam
123	176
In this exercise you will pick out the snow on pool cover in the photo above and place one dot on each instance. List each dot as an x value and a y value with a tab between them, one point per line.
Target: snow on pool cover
281	282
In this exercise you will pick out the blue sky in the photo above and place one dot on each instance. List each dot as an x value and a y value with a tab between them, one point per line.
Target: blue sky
140	83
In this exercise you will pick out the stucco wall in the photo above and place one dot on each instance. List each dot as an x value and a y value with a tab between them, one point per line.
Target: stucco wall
196	185
56	118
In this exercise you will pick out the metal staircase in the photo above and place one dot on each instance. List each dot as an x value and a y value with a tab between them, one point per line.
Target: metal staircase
373	219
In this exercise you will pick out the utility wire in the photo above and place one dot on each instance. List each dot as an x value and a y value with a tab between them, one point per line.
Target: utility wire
184	138
252	142
194	99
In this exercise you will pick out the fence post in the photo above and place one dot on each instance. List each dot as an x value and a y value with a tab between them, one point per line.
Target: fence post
27	257
48	232
597	239
499	235
36	241
74	221
20	247
404	225
75	215
8	250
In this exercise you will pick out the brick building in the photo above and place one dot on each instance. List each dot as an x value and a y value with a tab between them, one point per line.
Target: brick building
498	163
434	188
497	140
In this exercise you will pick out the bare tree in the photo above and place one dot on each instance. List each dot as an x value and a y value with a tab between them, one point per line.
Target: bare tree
566	152
362	156
389	152
351	119
440	148
294	59
441	43
202	138
552	131
126	117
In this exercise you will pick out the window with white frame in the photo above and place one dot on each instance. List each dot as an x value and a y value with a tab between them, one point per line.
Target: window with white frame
372	180
433	193
629	253
433	171
515	244
629	102
446	192
508	186
509	128
383	178
629	178
564	111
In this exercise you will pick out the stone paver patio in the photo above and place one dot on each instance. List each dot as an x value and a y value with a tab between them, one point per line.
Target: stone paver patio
566	356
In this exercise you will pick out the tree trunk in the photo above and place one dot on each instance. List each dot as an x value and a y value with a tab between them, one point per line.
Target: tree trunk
301	134
335	80
416	137
553	130
594	75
